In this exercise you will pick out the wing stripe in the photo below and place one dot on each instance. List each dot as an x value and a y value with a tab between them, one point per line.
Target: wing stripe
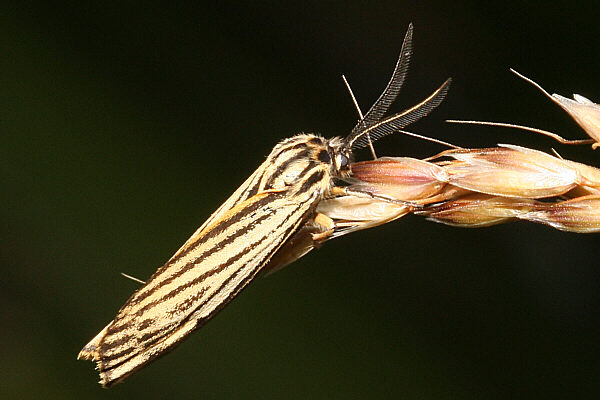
283	166
124	369
202	277
157	280
153	337
253	254
228	240
314	179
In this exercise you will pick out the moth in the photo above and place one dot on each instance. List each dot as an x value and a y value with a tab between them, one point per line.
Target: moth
272	219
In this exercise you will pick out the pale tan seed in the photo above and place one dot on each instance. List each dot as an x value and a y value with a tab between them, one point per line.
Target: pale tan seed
511	171
351	213
400	178
581	215
477	210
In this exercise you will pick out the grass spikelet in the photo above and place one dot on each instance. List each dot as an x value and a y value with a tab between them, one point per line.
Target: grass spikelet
581	215
477	210
511	171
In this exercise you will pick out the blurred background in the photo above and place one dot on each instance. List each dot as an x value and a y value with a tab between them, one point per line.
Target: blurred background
124	126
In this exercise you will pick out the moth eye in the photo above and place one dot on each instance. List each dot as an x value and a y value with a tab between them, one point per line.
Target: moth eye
342	161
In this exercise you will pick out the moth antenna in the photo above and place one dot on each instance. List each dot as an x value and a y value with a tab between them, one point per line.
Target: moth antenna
383	102
133	278
360	114
554	136
400	120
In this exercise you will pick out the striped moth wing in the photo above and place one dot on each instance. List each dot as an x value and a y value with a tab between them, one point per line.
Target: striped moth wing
218	261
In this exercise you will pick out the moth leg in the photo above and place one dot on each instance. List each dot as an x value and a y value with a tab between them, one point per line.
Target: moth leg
338	191
324	223
446	194
296	246
366	194
318	229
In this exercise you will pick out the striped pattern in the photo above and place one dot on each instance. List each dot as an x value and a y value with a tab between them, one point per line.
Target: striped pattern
219	260
295	154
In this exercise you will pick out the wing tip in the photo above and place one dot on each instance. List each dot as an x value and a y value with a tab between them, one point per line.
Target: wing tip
91	352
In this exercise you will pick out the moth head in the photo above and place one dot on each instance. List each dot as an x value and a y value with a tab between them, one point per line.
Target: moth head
339	156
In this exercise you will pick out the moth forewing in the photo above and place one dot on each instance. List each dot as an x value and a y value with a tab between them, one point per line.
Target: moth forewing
221	260
200	282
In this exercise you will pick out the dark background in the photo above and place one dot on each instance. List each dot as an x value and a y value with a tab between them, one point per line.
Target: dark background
123	127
